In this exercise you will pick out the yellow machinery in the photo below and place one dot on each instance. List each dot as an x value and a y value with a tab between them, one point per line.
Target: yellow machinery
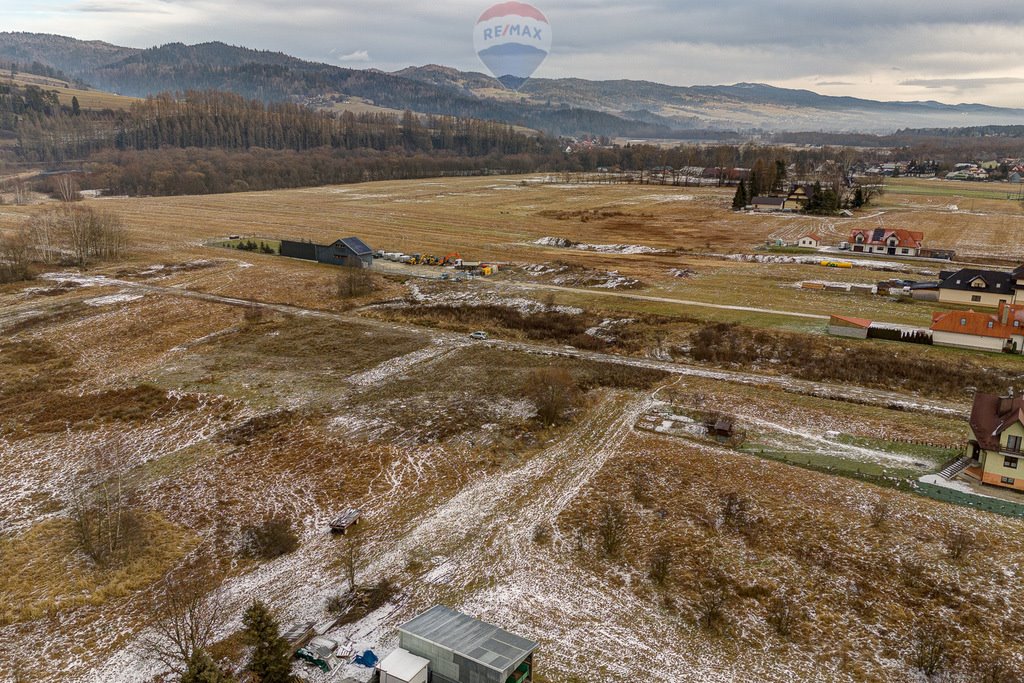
836	264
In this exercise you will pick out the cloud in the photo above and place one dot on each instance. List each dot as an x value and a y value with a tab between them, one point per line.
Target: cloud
121	8
357	56
867	49
962	83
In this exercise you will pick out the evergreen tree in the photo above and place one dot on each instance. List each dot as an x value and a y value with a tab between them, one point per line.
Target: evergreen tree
755	182
270	661
739	200
76	109
202	669
858	198
780	175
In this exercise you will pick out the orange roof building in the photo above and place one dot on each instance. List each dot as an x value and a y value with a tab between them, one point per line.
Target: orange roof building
896	242
1000	331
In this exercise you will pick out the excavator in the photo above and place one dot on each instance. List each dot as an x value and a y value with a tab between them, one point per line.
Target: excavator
451	259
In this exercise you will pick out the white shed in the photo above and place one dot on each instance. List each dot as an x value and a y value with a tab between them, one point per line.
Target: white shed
809	241
401	666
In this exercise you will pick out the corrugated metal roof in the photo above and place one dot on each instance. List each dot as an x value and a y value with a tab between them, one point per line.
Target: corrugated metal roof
486	644
357	246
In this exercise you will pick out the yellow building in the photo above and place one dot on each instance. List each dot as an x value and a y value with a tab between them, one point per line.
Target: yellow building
996	446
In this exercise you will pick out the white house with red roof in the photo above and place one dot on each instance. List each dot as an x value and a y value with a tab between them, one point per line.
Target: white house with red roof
811	240
892	242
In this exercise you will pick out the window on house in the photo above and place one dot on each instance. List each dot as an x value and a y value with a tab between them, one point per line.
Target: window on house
990	324
1013	443
976	297
963	321
1008	480
1010	463
906	251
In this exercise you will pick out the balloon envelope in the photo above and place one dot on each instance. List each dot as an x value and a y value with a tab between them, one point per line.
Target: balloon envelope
512	39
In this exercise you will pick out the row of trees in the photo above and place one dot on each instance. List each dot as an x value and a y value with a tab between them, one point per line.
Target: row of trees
211	119
67	234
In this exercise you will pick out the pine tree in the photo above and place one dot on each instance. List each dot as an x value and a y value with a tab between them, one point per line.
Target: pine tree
780	175
270	661
739	200
202	669
858	198
76	109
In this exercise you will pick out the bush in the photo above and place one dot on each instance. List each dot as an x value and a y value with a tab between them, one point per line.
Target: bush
542	533
821	359
660	565
611	528
273	537
959	543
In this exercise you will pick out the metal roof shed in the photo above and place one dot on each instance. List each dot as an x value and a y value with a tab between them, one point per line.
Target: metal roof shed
462	649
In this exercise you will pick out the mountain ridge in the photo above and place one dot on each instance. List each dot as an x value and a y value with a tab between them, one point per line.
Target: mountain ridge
564	106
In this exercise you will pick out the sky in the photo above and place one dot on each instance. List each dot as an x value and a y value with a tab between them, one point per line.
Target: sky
878	49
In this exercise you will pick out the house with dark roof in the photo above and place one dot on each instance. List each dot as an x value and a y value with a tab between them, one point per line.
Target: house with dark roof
887	241
996	445
768	203
348	251
462	649
1002	331
981	288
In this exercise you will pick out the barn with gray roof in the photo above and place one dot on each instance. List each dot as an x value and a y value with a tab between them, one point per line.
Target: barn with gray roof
462	649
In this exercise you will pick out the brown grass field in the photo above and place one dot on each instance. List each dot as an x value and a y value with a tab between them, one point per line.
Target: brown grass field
87	99
216	413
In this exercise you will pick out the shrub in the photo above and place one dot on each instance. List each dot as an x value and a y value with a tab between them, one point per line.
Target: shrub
660	565
542	533
273	537
959	542
611	528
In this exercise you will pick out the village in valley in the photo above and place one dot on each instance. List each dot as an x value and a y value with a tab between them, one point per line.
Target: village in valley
326	372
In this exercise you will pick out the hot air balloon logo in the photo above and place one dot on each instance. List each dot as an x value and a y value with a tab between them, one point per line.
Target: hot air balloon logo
512	39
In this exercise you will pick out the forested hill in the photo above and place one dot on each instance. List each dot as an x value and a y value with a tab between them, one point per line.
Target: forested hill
277	77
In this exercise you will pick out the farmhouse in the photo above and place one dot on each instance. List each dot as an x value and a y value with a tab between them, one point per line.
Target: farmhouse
983	288
348	251
461	649
809	241
768	203
995	445
1001	331
798	198
886	241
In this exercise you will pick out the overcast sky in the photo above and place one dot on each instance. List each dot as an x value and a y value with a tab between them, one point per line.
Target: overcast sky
968	51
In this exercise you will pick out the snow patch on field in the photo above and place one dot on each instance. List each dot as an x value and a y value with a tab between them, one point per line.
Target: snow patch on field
563	243
120	297
483	298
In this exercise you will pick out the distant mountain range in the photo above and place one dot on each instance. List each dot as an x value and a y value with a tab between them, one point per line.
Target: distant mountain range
569	106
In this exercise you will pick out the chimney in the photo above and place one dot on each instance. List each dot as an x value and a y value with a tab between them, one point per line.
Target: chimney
1004	313
1006	403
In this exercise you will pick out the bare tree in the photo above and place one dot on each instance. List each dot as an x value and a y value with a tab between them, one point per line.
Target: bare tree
107	523
354	281
553	391
351	556
16	256
67	189
79	234
188	612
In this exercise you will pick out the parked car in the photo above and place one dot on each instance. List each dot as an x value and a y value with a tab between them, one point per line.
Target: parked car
478	335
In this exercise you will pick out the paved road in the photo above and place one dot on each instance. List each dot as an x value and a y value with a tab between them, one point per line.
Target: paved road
827	390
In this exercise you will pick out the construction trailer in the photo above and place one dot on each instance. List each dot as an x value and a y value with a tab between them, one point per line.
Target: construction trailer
462	649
